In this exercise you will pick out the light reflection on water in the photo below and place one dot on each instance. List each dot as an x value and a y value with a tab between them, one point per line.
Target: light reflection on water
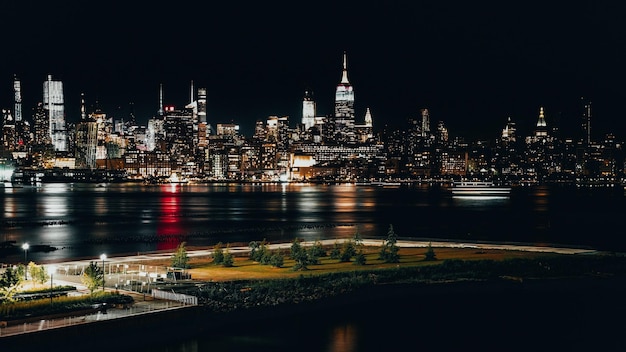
84	220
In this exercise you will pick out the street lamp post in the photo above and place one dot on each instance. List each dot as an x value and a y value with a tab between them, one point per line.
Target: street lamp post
25	247
51	270
103	257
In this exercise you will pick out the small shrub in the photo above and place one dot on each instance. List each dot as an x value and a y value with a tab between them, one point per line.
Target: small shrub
430	254
277	260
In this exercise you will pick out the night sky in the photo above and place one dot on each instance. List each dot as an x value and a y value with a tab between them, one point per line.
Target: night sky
472	64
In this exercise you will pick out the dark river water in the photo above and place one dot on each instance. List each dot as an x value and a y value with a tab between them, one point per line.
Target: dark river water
85	220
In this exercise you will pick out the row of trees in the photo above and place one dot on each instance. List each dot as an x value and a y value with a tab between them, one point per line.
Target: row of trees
345	252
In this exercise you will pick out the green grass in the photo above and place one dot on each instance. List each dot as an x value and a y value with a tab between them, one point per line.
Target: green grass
202	269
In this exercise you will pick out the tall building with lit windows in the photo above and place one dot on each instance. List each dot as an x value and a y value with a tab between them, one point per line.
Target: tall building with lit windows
425	123
86	138
308	110
17	90
54	105
542	130
22	126
344	108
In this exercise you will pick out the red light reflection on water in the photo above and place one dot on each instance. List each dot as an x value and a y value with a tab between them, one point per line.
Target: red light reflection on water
343	339
168	224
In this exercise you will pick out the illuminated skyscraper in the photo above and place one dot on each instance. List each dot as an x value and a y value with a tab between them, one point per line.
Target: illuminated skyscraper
9	134
308	110
22	127
364	131
204	130
201	105
368	118
86	147
160	111
53	104
41	124
17	89
344	107
425	123
509	131
541	130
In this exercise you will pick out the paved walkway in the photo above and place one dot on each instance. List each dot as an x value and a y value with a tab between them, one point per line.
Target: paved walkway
142	305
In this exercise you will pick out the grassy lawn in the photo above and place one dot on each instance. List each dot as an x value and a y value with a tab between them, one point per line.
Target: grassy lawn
202	269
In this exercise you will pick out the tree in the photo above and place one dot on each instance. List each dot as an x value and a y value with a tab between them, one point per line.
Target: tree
430	253
254	247
228	260
260	252
10	280
335	253
299	255
180	259
359	258
317	250
277	260
93	277
218	254
37	273
389	251
348	251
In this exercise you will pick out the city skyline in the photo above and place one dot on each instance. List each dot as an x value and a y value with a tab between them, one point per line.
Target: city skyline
465	63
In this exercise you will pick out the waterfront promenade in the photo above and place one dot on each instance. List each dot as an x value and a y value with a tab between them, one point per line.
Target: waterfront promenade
130	275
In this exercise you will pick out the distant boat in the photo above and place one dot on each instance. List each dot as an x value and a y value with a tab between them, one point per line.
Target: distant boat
479	188
385	183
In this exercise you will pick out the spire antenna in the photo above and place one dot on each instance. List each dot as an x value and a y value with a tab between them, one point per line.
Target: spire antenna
344	76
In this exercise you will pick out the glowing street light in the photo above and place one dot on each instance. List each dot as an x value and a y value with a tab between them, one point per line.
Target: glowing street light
25	247
103	257
51	271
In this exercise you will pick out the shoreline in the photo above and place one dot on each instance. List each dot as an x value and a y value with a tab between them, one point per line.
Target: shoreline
403	242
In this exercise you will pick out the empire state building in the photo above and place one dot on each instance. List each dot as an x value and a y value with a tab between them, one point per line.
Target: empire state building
344	108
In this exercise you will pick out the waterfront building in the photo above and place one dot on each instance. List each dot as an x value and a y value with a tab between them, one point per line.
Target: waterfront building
142	164
453	163
180	139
